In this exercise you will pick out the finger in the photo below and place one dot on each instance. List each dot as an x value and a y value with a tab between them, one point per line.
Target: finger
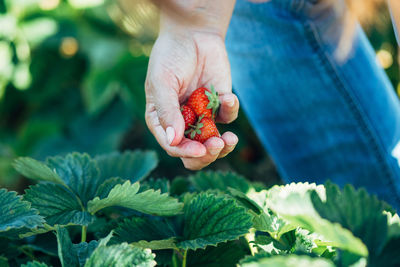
214	146
230	140
229	108
186	148
166	104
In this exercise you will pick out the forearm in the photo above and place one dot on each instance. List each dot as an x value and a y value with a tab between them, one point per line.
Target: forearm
198	15
395	12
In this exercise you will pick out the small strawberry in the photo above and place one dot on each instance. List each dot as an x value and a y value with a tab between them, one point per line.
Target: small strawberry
204	129
188	116
204	102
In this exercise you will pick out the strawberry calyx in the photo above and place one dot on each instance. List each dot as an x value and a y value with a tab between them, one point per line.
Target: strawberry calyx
213	100
195	129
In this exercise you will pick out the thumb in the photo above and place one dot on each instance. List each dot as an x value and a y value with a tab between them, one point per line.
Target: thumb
170	116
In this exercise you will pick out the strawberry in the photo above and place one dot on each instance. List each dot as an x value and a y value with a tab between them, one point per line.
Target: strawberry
204	129
188	116
204	102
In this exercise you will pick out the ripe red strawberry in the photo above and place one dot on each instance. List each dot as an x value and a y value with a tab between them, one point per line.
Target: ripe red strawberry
188	116
204	102
204	129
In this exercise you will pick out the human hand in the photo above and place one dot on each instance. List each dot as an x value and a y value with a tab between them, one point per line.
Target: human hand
180	63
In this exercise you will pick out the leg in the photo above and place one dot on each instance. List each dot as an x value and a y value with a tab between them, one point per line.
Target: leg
317	117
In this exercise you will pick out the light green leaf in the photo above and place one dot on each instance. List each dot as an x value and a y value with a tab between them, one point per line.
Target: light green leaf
36	170
203	181
79	172
293	203
145	229
290	261
57	204
393	224
263	220
105	188
347	208
129	165
34	264
16	215
121	255
126	195
210	219
169	243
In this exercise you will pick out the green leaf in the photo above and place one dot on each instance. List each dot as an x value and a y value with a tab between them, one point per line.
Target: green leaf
169	243
73	255
347	208
139	229
225	254
4	262
129	165
210	219
79	172
120	255
161	184
263	220
126	195
34	264
66	251
393	224
36	170
290	261
203	181
293	203
16	215
105	188
57	204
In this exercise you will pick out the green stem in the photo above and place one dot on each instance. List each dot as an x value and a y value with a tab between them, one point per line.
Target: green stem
84	230
184	258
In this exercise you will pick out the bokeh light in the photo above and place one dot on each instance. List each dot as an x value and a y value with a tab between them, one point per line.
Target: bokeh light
69	47
49	4
384	58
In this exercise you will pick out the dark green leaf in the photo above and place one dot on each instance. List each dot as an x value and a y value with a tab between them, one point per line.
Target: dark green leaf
203	181
143	228
225	254
289	261
211	219
16	215
79	172
57	204
161	184
73	255
34	264
129	165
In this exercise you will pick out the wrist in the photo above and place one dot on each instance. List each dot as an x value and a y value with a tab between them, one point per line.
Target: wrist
189	16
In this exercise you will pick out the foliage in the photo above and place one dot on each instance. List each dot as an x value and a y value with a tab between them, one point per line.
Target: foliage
208	223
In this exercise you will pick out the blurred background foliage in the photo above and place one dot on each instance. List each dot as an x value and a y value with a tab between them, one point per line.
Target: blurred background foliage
72	79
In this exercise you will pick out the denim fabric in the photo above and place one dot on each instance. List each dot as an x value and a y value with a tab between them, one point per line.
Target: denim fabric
319	118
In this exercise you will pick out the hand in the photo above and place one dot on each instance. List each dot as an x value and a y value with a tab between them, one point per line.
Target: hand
179	64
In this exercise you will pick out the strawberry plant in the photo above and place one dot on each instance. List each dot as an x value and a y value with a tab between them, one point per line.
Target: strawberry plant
106	211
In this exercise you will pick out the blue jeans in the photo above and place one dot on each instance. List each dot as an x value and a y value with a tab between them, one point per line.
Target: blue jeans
319	118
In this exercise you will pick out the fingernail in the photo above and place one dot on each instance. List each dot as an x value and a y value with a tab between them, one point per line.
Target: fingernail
230	100
170	135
